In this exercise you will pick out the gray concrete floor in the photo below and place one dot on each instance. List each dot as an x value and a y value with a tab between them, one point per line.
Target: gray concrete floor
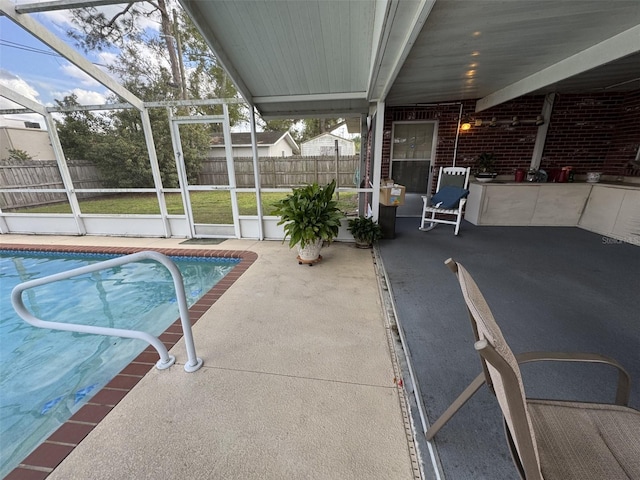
553	289
297	382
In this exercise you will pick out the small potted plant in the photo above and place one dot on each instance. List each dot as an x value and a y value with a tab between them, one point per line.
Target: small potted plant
365	231
311	217
485	167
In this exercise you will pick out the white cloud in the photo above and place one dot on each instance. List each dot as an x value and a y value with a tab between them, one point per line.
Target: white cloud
107	58
70	70
18	85
88	97
84	97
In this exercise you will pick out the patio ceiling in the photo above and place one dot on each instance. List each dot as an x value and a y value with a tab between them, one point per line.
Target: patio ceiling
327	57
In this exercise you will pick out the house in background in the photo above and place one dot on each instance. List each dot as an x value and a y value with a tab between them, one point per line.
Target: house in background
325	144
270	144
28	137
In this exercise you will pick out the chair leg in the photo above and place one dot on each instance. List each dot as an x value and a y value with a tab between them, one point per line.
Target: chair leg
455	406
426	220
458	220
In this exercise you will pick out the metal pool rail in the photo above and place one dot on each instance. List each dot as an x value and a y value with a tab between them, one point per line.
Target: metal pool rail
166	360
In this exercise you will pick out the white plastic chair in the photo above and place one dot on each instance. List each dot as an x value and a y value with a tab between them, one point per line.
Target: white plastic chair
448	177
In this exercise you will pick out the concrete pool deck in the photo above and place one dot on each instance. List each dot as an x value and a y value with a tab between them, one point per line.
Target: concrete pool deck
298	380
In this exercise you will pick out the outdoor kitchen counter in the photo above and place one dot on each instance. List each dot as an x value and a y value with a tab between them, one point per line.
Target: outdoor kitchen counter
608	208
526	203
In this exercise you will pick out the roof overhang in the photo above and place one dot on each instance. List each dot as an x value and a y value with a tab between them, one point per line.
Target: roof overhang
314	58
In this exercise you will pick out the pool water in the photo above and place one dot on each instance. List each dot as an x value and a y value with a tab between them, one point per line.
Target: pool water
47	375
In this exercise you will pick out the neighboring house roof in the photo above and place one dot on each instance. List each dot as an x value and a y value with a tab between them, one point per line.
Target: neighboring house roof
327	134
243	139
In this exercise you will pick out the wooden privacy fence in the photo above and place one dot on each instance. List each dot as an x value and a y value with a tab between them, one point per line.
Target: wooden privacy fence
275	172
42	174
283	172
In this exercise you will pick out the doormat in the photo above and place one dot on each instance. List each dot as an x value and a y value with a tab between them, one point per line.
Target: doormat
203	241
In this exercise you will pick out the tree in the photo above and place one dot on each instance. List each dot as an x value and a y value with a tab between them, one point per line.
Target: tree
317	126
98	32
123	159
78	130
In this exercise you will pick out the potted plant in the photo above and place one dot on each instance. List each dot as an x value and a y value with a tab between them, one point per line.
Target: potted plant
310	217
485	167
365	231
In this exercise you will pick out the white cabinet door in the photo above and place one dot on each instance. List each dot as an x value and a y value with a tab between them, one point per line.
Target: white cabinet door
560	204
602	209
627	224
509	204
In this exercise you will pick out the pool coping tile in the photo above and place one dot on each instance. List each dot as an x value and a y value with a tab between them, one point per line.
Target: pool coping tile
44	458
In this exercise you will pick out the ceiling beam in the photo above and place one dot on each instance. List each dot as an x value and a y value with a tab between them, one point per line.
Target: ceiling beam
37	7
412	31
318	97
614	48
40	32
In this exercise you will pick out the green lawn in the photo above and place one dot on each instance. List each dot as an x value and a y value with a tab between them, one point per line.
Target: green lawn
208	207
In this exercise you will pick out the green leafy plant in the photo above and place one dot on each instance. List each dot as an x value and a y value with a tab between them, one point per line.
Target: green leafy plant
485	162
364	230
17	154
309	213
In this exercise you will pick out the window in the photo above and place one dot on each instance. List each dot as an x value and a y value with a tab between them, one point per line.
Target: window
412	150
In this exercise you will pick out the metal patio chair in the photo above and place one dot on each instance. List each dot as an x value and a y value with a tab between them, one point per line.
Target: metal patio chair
549	439
448	201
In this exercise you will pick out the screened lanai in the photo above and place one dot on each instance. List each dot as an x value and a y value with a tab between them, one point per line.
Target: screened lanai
352	59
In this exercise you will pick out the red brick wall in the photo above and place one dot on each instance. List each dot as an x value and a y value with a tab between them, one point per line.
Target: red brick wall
591	133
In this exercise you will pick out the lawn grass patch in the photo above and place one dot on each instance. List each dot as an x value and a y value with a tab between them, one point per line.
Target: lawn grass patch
213	207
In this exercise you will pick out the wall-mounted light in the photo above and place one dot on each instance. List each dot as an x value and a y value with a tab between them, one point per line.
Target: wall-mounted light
515	122
493	122
465	124
539	120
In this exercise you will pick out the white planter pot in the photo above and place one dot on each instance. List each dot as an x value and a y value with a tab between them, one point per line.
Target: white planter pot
311	252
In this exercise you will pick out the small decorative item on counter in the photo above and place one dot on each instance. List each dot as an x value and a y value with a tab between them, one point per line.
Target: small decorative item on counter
564	175
569	174
593	177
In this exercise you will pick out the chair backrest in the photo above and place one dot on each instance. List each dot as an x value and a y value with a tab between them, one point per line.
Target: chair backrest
453	176
501	365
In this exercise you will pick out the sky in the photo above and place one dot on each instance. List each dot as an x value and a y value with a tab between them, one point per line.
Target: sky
31	68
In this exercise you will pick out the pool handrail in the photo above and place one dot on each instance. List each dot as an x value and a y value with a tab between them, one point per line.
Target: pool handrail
166	360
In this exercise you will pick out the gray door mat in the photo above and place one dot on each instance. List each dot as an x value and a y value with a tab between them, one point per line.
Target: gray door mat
203	241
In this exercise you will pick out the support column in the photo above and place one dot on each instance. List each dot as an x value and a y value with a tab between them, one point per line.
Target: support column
155	169
256	172
64	172
378	139
541	135
231	170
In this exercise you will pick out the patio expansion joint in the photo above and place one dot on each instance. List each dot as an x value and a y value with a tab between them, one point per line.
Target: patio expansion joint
302	377
392	334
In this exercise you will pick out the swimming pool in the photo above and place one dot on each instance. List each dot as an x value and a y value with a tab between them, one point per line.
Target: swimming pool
46	376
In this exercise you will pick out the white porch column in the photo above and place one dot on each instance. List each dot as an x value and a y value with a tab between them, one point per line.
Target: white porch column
378	138
256	171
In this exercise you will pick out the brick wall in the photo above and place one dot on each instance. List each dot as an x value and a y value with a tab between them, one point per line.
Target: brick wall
591	133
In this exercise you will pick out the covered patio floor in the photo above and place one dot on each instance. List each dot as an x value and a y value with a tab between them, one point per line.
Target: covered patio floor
550	288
